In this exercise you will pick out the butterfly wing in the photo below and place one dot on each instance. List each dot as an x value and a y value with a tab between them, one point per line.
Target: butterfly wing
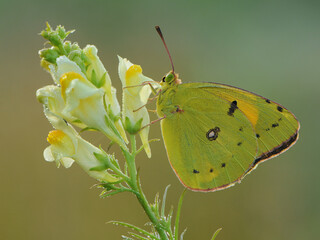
216	134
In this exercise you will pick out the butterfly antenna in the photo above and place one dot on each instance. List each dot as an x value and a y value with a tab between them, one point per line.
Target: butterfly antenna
165	45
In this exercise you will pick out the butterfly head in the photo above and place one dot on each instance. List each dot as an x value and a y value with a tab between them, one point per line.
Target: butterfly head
171	78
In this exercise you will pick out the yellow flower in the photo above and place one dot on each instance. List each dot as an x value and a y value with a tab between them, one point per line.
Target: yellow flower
99	76
80	102
66	147
85	102
134	113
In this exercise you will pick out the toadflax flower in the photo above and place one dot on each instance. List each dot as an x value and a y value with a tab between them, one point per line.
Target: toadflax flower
98	75
66	147
80	102
135	96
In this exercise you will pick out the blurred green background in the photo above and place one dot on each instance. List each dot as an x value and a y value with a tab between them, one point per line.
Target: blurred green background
268	47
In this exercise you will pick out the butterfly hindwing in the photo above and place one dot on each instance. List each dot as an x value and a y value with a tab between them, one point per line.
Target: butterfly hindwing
219	133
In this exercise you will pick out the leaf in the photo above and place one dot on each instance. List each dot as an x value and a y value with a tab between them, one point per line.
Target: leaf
182	234
155	206
108	194
176	225
140	230
126	238
163	206
94	78
138	236
216	233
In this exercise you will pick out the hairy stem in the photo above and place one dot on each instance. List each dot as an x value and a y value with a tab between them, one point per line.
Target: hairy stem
135	185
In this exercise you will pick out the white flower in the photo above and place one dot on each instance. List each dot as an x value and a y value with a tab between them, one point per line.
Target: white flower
80	102
98	75
85	102
134	113
66	147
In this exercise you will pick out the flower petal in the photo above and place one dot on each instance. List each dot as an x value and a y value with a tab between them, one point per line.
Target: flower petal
135	96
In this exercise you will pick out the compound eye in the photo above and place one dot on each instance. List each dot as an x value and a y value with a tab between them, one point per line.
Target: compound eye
163	79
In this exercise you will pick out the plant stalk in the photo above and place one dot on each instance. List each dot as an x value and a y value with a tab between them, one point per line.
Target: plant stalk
135	185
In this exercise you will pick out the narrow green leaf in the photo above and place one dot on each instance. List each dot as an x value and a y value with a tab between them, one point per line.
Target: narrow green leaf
126	238
155	206
164	198
138	236
102	79
182	234
94	78
170	214
216	233
110	145
108	194
115	162
140	230
176	225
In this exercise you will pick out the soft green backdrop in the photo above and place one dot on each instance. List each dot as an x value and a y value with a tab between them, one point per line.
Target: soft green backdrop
268	47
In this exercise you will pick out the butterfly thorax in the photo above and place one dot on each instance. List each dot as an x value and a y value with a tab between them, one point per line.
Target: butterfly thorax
165	102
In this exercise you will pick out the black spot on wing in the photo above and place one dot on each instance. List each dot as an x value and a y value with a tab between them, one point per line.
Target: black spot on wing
239	143
241	129
195	171
233	107
257	135
211	169
212	134
280	109
268	101
275	125
276	150
223	165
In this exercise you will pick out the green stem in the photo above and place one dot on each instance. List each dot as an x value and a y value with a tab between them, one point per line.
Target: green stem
135	185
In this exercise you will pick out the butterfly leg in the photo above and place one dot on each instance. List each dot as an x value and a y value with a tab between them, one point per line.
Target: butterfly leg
157	120
153	111
135	110
154	91
149	99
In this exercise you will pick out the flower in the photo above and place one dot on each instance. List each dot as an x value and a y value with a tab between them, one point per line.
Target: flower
66	147
99	76
80	102
136	92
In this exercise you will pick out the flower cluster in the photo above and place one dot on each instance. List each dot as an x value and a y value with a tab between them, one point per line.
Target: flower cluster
83	96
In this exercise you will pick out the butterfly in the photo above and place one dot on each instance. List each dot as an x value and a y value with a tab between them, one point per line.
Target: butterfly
216	134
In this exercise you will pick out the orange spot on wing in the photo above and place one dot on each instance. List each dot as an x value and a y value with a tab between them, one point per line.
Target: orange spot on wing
250	111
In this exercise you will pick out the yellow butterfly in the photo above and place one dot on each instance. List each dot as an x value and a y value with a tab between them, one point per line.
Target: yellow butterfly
216	134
